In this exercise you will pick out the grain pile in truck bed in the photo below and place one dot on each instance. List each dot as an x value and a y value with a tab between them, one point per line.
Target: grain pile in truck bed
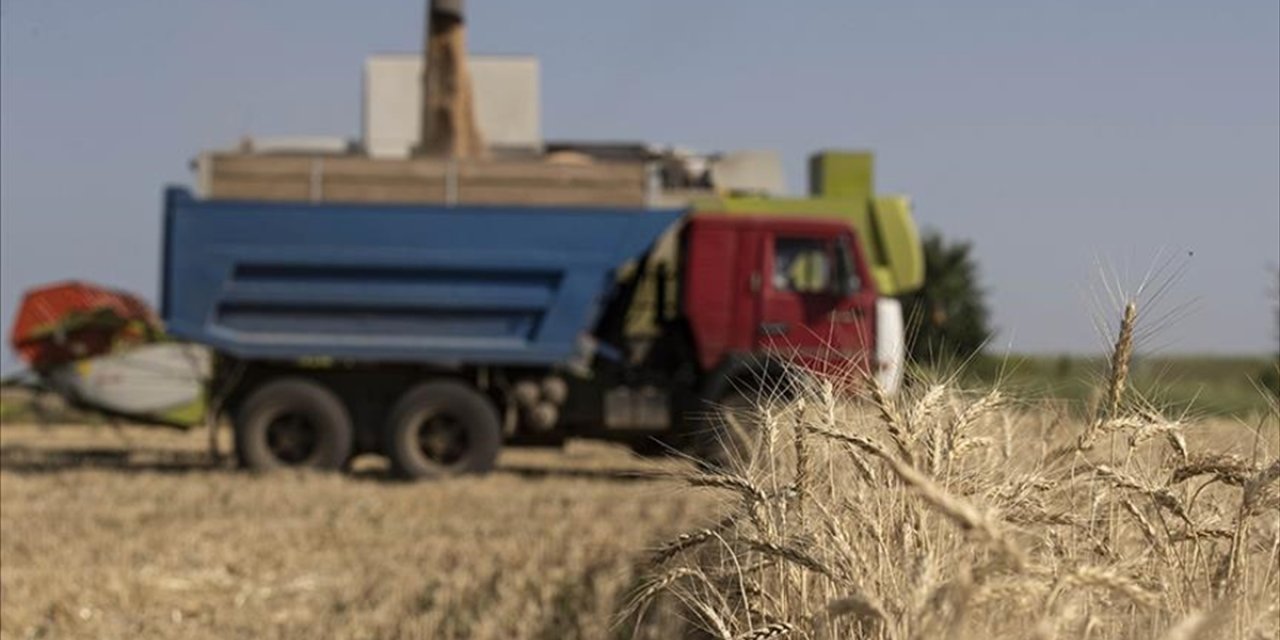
359	179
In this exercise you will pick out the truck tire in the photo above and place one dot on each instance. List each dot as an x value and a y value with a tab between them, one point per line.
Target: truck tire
443	428
293	422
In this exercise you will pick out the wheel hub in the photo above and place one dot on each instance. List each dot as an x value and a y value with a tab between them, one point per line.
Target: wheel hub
442	439
292	438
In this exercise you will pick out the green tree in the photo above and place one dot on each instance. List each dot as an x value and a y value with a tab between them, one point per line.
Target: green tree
947	319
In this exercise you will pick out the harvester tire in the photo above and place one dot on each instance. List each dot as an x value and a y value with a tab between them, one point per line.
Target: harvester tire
293	422
443	428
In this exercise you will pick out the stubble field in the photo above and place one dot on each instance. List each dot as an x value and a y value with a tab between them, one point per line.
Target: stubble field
98	542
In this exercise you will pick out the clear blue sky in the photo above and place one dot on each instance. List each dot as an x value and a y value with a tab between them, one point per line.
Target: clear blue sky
1050	134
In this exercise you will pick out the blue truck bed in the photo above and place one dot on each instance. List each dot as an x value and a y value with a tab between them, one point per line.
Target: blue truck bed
403	283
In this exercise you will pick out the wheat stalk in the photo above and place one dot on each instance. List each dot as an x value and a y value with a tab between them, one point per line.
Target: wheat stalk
686	541
1117	377
890	417
660	583
791	555
1108	578
958	511
1226	468
767	632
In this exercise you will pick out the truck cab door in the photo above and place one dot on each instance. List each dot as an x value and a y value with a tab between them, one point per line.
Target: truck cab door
816	302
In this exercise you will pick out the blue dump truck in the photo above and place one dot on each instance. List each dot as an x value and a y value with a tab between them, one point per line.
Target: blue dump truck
435	335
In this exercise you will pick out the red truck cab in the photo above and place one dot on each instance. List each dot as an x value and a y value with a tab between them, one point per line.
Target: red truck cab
796	287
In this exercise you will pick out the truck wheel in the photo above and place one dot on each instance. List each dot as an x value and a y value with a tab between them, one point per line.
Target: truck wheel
293	422
443	428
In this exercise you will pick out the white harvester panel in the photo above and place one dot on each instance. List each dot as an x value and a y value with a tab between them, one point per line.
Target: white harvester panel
162	381
891	344
506	95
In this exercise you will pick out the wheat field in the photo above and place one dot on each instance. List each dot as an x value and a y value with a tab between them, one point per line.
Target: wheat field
946	514
942	512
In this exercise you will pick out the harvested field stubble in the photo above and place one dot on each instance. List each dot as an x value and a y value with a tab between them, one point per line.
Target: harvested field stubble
156	548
